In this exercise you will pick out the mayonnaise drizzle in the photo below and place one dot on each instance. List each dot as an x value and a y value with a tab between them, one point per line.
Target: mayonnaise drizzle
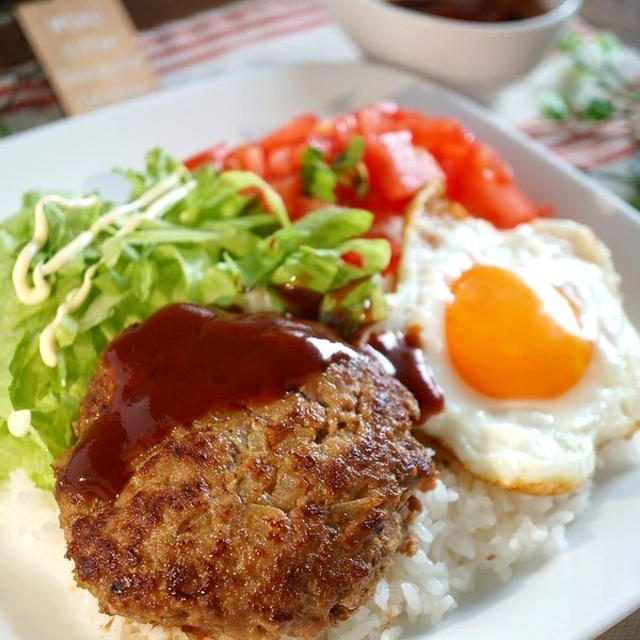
159	207
19	422
157	200
73	300
41	289
73	248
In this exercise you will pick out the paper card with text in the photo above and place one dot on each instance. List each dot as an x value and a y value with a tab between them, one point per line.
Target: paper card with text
88	50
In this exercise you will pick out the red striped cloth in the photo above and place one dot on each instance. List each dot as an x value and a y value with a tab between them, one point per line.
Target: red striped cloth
258	31
18	91
211	34
589	148
26	98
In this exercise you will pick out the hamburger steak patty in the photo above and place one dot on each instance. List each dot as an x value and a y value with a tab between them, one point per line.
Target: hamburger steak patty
276	517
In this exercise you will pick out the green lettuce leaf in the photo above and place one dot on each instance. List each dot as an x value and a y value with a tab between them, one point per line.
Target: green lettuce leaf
320	179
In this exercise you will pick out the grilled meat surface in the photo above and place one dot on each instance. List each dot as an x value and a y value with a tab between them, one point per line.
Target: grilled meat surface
274	518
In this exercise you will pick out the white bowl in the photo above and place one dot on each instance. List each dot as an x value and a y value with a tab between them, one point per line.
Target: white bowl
464	54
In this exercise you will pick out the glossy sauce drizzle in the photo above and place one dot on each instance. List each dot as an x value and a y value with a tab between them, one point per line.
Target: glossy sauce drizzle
404	352
303	303
183	362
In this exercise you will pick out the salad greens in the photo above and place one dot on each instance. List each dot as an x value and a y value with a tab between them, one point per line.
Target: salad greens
320	179
227	242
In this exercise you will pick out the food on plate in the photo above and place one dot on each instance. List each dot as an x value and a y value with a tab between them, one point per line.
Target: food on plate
83	269
525	332
377	158
254	480
239	374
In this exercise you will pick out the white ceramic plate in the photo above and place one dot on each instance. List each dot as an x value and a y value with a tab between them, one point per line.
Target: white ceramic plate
575	595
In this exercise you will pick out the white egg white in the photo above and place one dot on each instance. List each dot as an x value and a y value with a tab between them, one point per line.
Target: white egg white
539	445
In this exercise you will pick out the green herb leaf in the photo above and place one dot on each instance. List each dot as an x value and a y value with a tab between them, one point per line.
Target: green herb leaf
320	179
598	109
607	41
351	156
570	41
554	106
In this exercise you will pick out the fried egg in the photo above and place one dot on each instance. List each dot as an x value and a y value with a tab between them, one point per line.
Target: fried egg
526	333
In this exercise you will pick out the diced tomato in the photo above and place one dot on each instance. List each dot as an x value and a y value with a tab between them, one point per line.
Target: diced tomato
445	138
454	159
503	203
376	118
476	174
353	258
397	166
289	189
487	160
484	183
214	155
373	201
434	133
284	161
249	157
258	193
343	128
306	205
326	145
391	227
293	132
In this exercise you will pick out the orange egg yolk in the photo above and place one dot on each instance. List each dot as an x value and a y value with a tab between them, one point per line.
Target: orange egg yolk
513	339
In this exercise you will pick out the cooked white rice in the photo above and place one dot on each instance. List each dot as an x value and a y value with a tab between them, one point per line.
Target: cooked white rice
466	527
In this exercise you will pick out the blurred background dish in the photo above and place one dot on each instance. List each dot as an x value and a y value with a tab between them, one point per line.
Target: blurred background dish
461	53
477	10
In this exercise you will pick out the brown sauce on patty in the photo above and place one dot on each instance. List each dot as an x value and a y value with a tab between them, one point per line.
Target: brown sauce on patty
183	362
404	352
187	360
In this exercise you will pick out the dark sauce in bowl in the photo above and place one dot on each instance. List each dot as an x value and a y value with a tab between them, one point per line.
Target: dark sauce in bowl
477	10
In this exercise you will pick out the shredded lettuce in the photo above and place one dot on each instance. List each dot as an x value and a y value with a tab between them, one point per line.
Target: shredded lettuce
320	179
227	242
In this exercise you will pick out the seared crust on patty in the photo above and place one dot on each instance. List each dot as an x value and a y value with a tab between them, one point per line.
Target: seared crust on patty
276	518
